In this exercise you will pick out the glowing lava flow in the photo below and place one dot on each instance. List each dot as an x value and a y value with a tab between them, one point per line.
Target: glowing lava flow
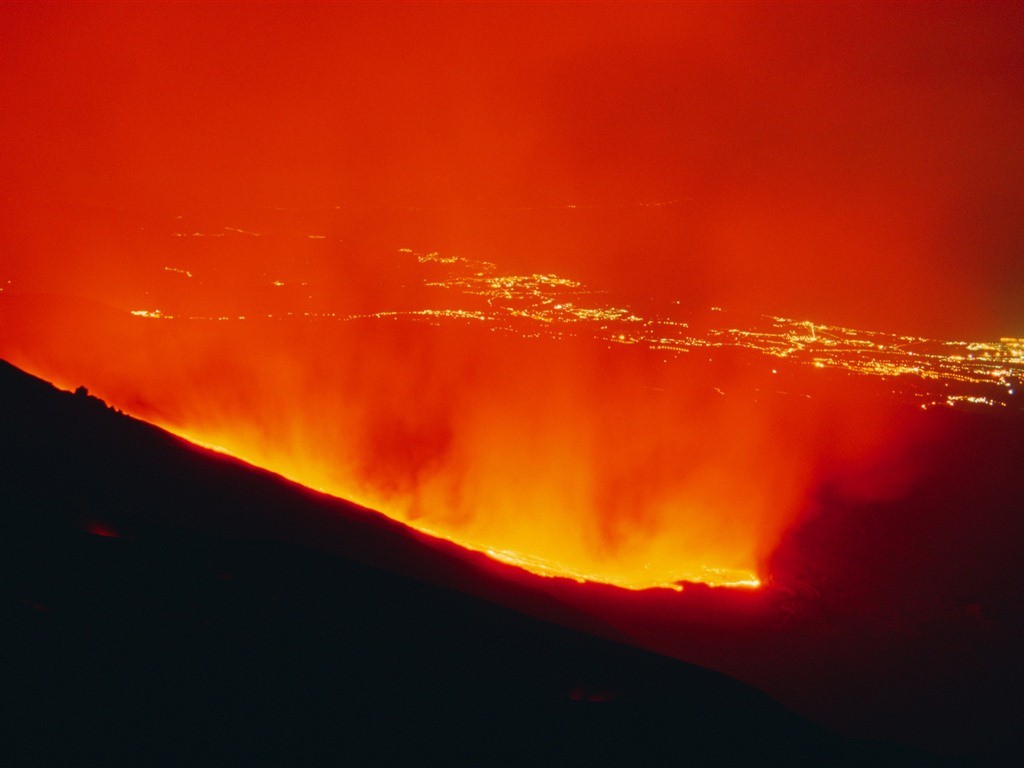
713	577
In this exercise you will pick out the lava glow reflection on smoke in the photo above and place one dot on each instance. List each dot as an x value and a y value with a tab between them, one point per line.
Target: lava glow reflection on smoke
244	175
522	415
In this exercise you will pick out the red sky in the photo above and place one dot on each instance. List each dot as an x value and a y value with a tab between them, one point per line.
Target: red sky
860	162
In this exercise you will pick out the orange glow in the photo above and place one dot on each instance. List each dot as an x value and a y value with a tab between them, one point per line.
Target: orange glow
454	261
518	470
511	417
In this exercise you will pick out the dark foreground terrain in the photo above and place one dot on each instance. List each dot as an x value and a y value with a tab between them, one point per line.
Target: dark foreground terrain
162	604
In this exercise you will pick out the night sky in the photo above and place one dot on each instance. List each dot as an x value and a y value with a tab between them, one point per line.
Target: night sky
856	162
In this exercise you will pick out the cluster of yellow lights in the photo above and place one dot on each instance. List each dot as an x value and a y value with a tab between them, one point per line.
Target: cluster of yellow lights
548	303
547	300
227	232
476	266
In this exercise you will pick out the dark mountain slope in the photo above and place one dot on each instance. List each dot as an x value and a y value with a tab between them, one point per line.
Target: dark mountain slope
158	609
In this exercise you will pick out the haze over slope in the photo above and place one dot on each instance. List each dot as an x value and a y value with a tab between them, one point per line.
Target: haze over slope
855	163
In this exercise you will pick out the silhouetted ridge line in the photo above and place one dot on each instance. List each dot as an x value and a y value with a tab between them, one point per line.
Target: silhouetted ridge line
159	608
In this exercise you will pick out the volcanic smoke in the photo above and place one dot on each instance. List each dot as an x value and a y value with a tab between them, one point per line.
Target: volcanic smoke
525	415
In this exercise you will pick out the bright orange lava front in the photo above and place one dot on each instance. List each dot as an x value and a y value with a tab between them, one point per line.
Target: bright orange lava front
645	579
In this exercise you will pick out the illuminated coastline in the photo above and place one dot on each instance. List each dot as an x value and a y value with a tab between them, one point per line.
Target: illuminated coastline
984	374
